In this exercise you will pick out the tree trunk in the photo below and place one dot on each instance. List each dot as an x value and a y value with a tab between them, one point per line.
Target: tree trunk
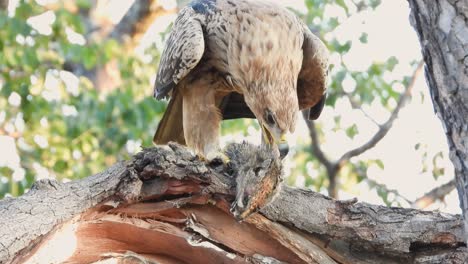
3	4
167	206
442	27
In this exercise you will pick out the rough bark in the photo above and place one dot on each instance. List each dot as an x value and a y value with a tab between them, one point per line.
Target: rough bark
167	206
442	27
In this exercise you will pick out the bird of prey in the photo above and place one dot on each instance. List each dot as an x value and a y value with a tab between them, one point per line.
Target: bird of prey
227	59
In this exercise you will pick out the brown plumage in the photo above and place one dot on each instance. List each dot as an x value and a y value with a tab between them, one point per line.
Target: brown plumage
238	58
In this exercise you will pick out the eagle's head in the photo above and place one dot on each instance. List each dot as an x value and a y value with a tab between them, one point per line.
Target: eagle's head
267	65
275	106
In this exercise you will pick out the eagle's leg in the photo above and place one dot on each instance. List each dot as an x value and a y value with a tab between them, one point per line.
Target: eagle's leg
202	119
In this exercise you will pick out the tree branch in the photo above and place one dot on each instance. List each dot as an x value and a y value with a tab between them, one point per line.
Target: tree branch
167	204
377	185
441	28
316	150
137	20
3	4
334	167
385	127
356	105
130	29
435	194
331	167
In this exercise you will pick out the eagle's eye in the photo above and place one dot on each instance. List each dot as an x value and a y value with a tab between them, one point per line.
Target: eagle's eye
270	117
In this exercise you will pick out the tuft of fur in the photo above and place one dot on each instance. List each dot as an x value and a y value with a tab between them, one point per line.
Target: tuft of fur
258	173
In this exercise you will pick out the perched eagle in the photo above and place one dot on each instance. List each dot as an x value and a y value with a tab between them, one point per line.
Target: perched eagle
227	59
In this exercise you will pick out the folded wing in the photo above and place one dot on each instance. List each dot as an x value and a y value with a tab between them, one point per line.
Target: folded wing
183	51
312	81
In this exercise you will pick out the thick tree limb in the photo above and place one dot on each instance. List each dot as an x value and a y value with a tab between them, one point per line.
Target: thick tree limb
443	29
168	206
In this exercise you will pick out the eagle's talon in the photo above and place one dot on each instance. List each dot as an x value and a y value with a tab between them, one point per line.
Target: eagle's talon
215	158
201	157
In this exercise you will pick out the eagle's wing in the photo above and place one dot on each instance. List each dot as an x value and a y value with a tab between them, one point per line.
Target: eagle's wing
312	81
183	51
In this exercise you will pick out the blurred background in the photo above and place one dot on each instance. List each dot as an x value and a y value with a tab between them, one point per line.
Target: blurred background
76	83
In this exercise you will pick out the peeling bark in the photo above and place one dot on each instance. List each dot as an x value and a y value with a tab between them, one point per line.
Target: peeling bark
167	206
442	27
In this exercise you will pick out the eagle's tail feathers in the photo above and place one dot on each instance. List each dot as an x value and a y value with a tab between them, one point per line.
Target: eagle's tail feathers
170	128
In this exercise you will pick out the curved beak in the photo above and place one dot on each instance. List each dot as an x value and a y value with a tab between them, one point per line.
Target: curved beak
283	147
279	141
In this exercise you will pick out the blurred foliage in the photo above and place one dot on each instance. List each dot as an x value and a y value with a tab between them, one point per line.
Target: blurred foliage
63	127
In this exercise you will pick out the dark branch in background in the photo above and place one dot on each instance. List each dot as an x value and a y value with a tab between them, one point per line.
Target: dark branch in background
373	184
139	17
319	154
137	20
333	167
385	127
434	195
3	4
356	105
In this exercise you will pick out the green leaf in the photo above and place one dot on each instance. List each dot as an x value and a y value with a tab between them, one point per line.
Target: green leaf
380	164
352	131
363	37
60	166
343	5
89	58
391	63
375	3
30	60
83	4
111	49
